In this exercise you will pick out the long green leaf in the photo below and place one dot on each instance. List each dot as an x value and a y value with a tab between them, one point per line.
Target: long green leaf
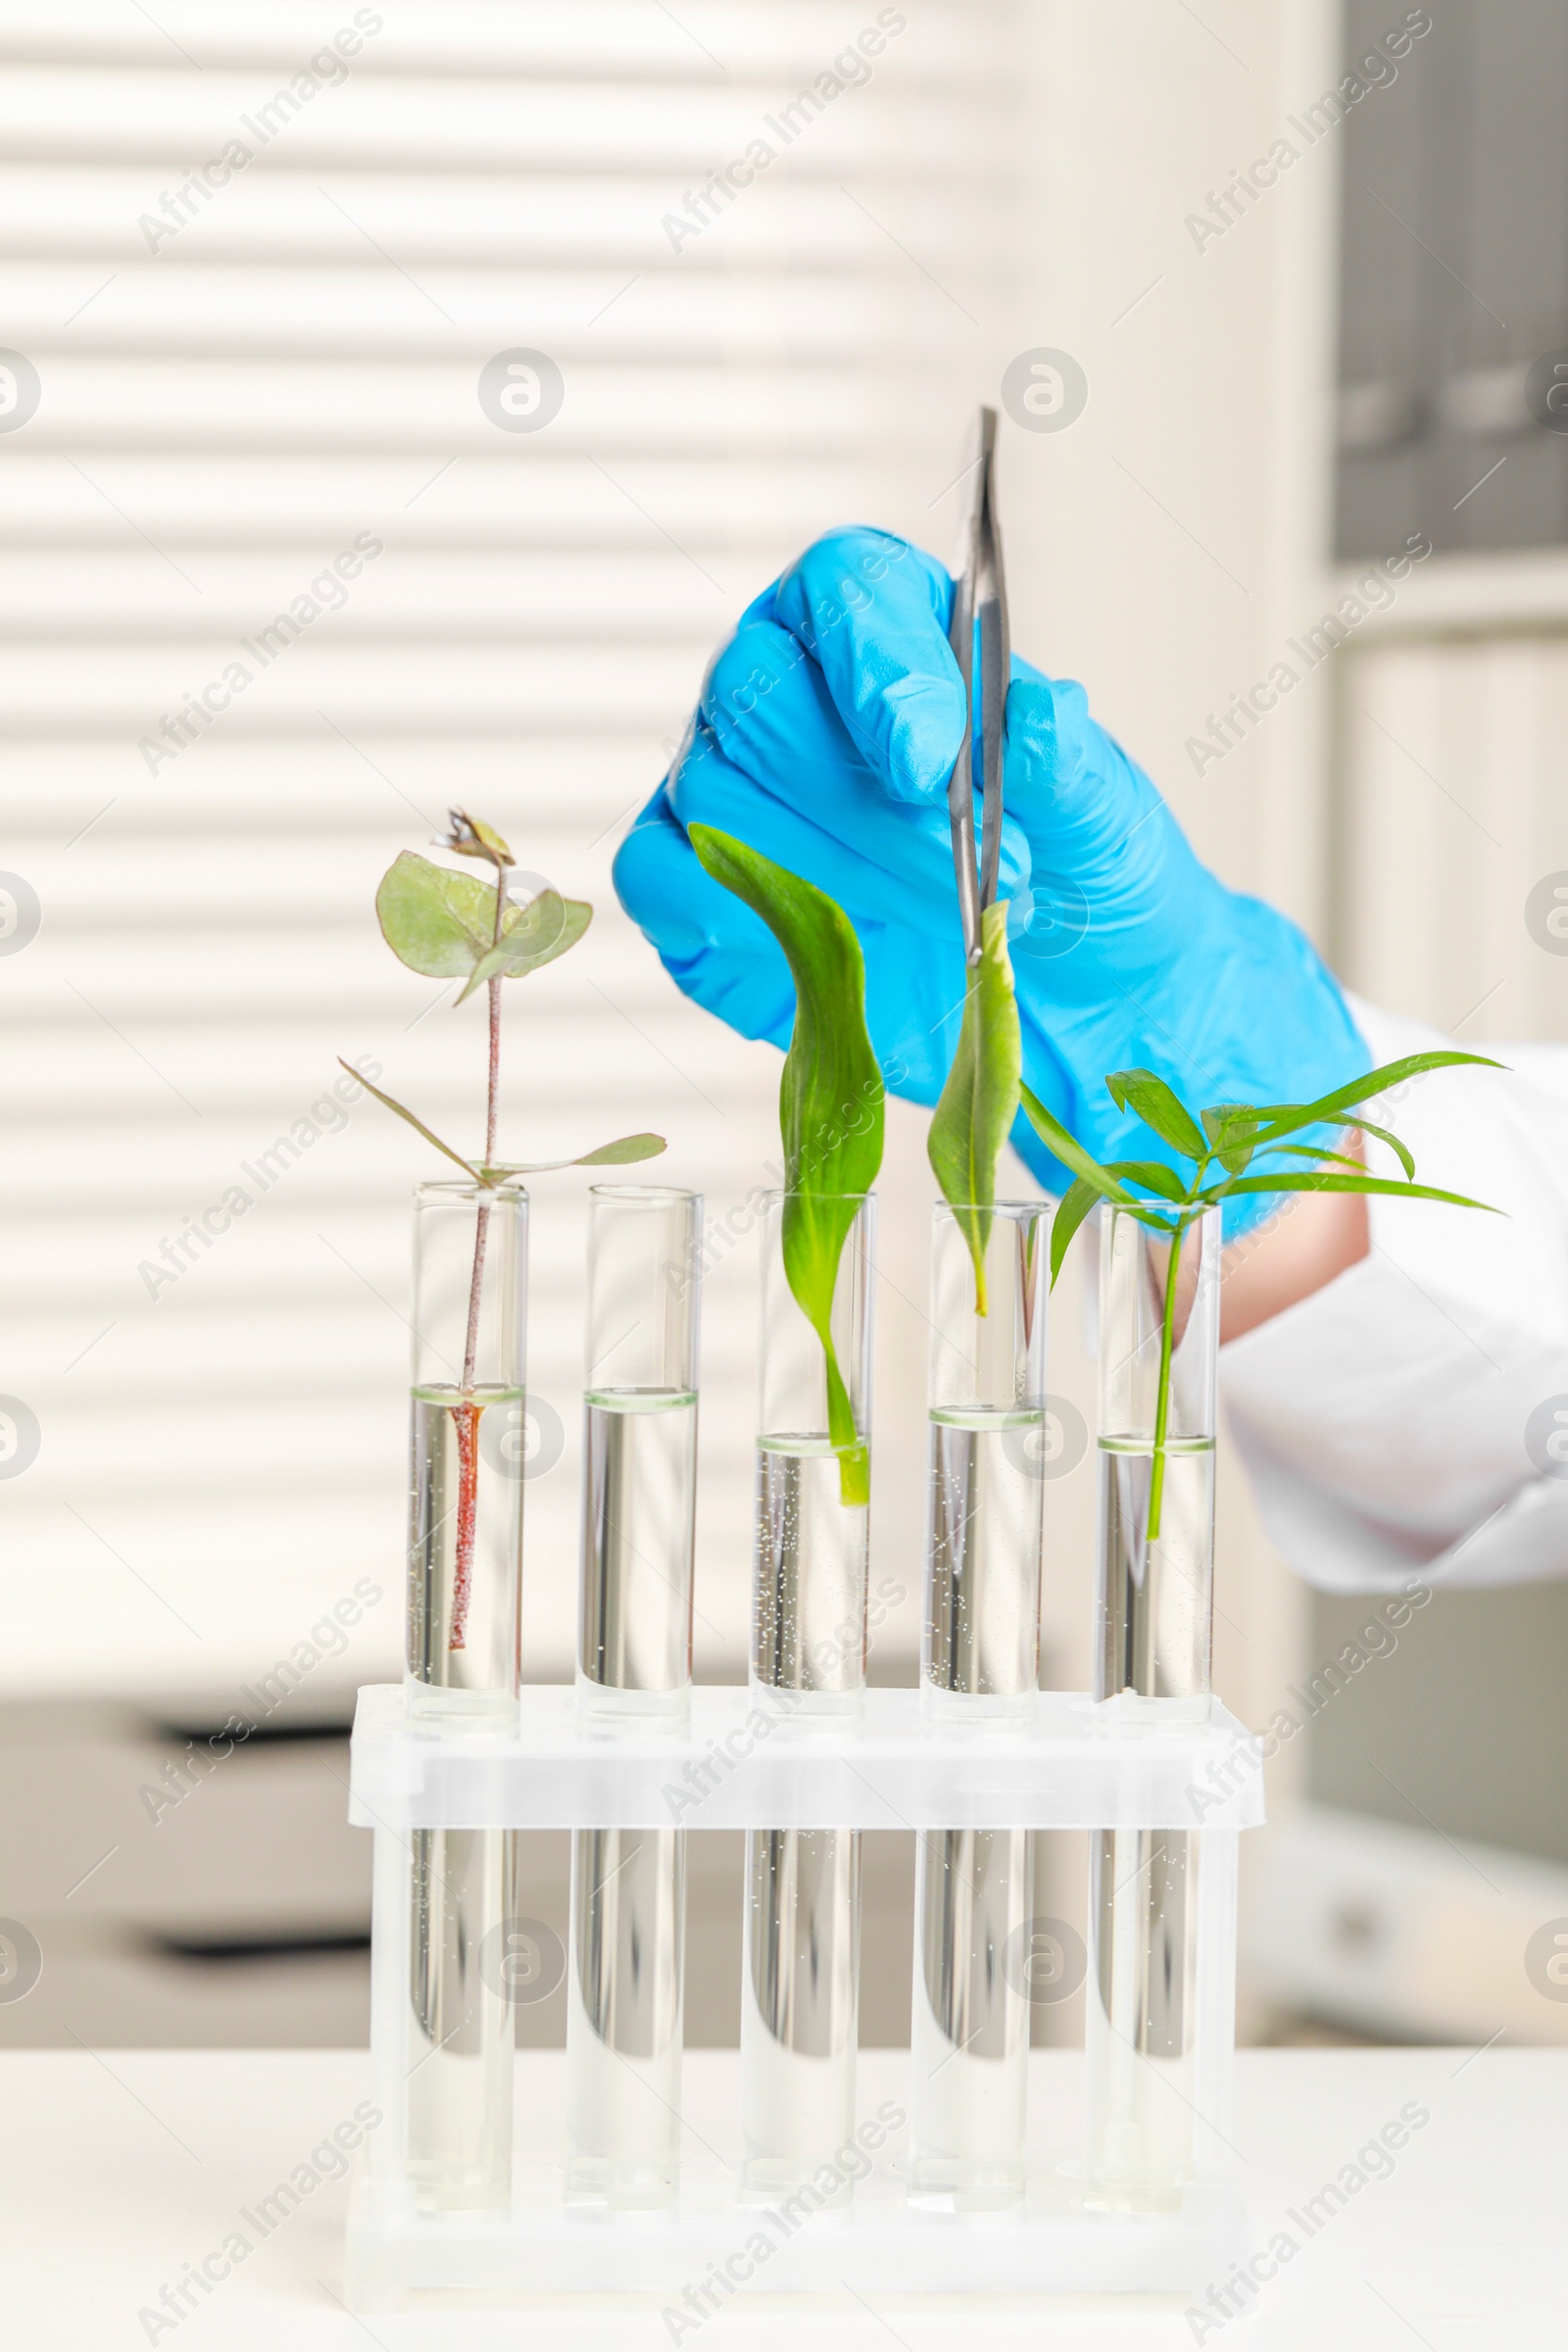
830	1102
1287	1118
417	1124
1067	1148
972	1119
1392	1185
1155	1104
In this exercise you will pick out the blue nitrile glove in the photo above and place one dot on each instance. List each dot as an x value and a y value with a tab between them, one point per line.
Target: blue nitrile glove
825	735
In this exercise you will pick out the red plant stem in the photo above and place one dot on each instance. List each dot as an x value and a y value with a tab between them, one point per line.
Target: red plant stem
466	1413
466	1409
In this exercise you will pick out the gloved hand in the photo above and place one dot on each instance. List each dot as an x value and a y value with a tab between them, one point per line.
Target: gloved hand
825	735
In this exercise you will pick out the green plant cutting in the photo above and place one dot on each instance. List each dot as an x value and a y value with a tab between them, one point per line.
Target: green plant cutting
1223	1145
451	925
830	1104
975	1110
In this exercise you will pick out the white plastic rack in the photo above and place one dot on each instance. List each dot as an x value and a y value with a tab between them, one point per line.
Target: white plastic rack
1126	1765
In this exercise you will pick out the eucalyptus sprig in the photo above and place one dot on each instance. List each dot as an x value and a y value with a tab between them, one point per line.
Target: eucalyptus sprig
451	925
1223	1145
830	1104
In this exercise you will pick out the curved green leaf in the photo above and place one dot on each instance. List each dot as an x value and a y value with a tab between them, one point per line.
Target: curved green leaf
1067	1148
1076	1203
1386	1135
1155	1104
978	1103
830	1101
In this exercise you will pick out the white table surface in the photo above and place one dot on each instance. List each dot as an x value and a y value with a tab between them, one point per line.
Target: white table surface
119	2171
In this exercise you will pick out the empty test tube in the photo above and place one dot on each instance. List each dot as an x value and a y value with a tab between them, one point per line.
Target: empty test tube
634	1667
970	2028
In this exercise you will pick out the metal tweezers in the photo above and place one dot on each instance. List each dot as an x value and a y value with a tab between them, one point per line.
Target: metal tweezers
981	593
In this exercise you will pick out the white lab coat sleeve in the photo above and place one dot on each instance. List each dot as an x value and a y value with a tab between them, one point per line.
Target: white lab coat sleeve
1403	1422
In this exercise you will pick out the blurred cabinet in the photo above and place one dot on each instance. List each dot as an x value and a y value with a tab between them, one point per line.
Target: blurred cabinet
1449	823
1453	278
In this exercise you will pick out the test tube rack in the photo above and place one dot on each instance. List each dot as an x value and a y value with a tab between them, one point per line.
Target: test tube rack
1073	1765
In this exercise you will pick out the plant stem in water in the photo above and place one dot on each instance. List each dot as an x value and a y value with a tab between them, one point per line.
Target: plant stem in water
1157	1471
468	1412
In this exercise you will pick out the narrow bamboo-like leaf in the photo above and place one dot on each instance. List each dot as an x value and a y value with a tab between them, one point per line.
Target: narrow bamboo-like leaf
419	1125
1286	1118
1318	1154
531	936
830	1102
1155	1104
1153	1175
979	1102
1076	1203
1386	1135
1067	1148
1285	1182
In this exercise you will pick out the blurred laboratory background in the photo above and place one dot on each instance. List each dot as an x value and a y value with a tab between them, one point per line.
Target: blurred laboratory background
1259	290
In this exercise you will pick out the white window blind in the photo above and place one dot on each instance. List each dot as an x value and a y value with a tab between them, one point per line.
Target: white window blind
241	378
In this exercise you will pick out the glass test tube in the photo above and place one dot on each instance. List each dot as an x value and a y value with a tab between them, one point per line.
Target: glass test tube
634	1663
799	1991
1154	1619
969	2030
462	1669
